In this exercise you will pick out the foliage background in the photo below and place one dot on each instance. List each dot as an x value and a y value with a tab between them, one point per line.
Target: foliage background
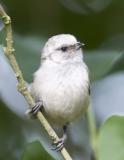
99	24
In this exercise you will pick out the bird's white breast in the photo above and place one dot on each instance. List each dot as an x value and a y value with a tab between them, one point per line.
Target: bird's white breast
63	88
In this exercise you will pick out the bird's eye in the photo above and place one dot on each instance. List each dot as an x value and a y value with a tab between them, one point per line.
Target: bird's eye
64	49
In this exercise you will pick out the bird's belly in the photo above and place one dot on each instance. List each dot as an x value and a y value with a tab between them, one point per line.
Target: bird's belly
63	90
63	104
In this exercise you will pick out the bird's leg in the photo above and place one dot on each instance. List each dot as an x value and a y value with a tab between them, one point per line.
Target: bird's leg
33	111
60	143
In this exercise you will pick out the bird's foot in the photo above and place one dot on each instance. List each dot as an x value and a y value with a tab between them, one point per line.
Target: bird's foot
33	111
58	144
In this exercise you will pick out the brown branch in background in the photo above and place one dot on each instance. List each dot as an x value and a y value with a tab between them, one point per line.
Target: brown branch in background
9	53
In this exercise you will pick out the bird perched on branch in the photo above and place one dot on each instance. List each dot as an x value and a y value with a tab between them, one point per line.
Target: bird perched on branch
61	84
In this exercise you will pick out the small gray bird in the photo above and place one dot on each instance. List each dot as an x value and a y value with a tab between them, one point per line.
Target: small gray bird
61	84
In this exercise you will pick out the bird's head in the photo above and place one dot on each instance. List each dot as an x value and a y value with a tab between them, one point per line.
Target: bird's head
62	48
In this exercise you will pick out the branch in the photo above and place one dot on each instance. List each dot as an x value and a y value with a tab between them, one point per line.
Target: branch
93	132
9	52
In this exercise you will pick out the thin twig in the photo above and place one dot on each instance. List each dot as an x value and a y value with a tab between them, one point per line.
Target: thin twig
9	52
93	132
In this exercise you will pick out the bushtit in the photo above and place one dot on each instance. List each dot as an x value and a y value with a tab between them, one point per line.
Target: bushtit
61	84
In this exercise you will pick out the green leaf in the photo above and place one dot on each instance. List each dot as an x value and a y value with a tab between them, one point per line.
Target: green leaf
118	65
86	7
12	138
100	62
28	53
35	151
111	139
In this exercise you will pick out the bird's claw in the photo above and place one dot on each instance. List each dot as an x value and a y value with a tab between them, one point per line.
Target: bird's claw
33	111
58	145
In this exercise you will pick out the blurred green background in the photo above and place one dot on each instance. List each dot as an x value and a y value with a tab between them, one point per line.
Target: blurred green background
91	21
97	23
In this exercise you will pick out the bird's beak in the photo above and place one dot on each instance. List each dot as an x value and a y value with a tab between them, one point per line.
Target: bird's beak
79	45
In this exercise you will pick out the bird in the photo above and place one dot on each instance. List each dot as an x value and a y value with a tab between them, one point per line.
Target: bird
61	85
